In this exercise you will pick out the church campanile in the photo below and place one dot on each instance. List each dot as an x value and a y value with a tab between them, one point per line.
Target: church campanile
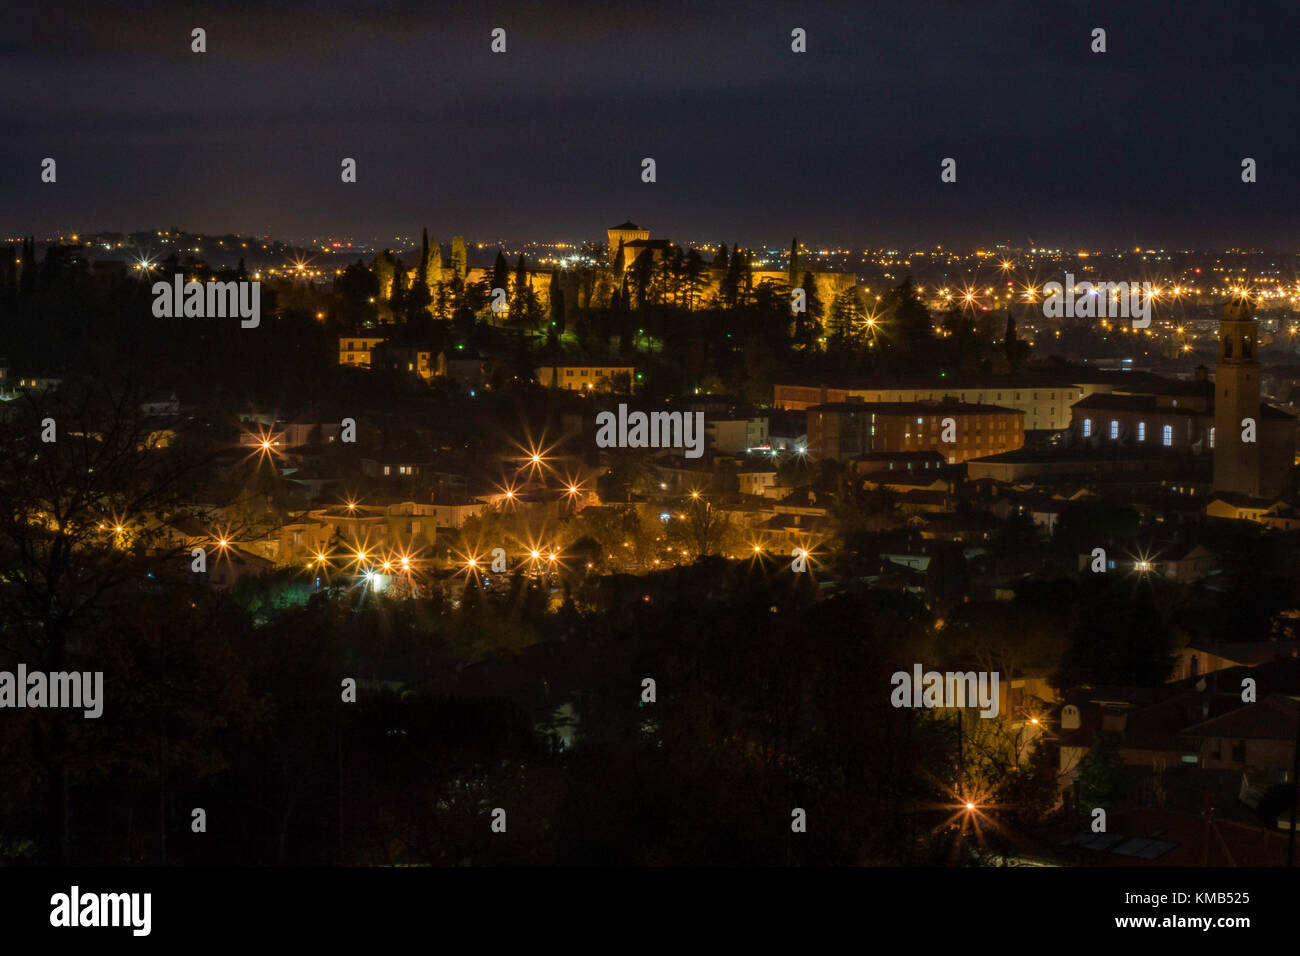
1236	397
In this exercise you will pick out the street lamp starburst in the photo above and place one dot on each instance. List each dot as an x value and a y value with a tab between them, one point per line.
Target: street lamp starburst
265	443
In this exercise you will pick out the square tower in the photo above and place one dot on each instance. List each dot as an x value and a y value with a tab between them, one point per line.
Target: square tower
1236	400
626	233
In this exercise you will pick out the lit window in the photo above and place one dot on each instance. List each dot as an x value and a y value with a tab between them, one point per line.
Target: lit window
1142	431
1211	437
1087	427
1114	429
1167	436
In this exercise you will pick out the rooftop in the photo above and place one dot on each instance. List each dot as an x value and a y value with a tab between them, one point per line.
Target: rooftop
947	407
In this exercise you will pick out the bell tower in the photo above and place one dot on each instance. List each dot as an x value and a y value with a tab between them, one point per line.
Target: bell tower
1236	397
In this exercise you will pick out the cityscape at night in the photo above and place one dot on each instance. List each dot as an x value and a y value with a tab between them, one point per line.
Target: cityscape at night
756	435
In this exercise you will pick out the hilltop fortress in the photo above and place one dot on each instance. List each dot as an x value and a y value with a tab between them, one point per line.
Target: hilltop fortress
635	240
585	286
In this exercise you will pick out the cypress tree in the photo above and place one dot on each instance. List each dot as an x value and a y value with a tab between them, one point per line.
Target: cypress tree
731	283
556	303
433	264
692	277
808	324
459	258
385	269
519	303
500	272
398	297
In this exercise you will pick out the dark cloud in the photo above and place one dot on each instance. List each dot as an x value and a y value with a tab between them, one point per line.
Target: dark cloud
753	143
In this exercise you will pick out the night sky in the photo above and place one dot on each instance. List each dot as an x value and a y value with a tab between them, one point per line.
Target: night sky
841	145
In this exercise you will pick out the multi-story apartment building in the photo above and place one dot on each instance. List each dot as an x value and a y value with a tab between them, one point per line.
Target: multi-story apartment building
582	377
357	349
956	430
1045	398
